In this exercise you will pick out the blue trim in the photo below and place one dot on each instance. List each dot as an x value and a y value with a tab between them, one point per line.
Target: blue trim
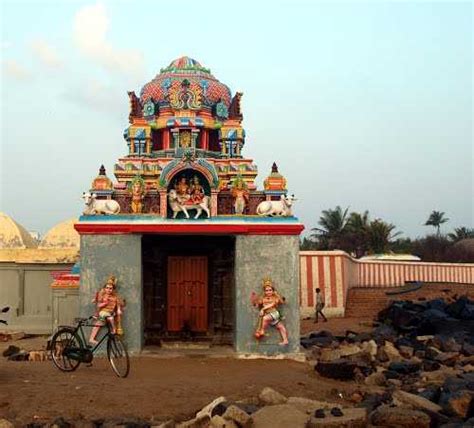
184	121
275	192
76	269
154	219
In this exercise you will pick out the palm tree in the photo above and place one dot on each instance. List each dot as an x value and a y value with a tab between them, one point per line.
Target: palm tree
436	219
381	236
461	233
358	233
333	227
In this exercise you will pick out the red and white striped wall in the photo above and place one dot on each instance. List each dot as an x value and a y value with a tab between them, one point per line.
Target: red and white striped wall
334	272
329	271
390	274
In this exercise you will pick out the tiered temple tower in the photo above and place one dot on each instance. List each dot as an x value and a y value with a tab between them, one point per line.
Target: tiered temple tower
191	275
186	123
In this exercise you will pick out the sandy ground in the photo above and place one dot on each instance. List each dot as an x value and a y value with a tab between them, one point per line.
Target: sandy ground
158	387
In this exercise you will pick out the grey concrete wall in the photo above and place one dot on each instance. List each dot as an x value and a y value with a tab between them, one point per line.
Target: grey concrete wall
65	306
257	257
26	288
119	255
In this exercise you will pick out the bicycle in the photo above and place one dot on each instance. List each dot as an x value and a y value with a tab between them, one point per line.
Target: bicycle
69	348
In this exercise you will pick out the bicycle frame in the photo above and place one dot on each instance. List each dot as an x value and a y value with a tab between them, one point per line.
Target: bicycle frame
80	331
68	354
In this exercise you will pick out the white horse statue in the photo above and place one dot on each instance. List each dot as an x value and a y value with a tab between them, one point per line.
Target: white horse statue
176	207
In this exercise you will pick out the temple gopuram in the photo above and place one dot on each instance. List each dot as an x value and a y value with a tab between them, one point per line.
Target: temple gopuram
200	254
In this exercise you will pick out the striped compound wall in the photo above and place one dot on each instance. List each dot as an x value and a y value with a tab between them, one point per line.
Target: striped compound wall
389	274
334	272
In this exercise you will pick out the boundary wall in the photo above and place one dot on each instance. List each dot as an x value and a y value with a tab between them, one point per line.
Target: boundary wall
335	272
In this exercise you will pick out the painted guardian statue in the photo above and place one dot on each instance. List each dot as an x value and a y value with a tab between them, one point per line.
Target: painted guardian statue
269	314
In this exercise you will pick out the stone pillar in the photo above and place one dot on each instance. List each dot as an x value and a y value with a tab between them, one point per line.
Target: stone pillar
257	257
148	146
166	139
175	135
163	203
214	202
119	255
205	139
223	147
194	138
237	148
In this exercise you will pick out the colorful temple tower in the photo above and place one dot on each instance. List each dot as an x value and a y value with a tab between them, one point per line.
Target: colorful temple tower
186	232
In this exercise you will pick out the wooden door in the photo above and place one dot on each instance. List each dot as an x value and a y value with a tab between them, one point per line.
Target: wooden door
187	293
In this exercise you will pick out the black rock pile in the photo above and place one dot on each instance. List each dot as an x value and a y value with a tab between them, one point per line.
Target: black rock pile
420	354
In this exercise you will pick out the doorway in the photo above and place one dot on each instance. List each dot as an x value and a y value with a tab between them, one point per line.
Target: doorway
188	287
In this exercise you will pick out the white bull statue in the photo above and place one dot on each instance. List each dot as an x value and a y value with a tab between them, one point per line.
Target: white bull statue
176	206
99	206
280	208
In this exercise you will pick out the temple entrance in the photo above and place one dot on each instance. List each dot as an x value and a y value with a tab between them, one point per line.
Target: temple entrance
187	294
188	288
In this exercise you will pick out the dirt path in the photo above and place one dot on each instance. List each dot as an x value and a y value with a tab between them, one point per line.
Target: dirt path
157	388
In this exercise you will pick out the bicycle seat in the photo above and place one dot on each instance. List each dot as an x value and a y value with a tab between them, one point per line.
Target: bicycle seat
80	320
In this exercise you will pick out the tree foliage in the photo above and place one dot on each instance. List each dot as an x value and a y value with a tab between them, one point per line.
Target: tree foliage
461	233
356	234
331	232
436	219
352	232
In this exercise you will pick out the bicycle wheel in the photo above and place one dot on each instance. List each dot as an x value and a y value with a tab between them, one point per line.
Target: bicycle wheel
62	339
118	356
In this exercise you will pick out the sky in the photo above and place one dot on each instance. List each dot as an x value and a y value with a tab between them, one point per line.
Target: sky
366	105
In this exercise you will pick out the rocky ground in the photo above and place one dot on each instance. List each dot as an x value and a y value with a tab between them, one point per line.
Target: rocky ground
413	369
421	355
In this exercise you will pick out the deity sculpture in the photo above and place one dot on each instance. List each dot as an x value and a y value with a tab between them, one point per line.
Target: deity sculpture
185	139
109	307
183	191
137	191
240	195
186	197
269	313
197	191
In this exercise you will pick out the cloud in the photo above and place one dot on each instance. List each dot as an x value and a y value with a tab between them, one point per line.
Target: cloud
13	69
91	24
46	53
93	94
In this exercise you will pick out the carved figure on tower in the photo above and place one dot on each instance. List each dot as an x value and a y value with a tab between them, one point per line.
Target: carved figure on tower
240	194
197	191
177	207
183	191
135	106
234	109
137	190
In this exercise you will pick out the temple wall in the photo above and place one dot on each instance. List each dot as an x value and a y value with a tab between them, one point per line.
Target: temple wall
256	257
119	255
335	272
389	274
36	308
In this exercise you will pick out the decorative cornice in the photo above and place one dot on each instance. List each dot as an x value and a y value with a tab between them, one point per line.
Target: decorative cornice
220	225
